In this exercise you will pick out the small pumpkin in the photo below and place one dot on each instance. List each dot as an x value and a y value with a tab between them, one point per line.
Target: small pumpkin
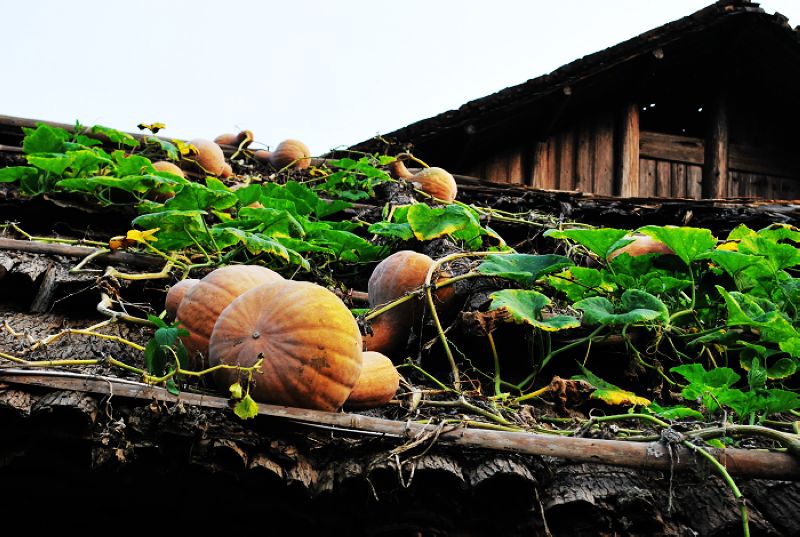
210	157
262	155
291	153
169	167
308	338
437	182
241	140
376	385
202	304
175	295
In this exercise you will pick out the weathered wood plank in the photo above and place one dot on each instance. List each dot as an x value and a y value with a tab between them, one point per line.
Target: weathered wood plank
604	156
663	178
647	177
694	182
715	168
514	173
584	158
679	180
686	149
566	160
628	151
544	172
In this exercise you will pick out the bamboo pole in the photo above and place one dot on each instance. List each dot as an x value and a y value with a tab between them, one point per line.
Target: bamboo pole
645	456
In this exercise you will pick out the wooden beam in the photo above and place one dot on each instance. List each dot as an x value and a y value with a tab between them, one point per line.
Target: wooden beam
45	248
628	152
715	169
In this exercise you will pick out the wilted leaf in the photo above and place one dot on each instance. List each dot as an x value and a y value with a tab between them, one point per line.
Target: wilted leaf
236	390
609	393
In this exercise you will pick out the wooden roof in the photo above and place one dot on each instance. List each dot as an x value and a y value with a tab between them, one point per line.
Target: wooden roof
615	72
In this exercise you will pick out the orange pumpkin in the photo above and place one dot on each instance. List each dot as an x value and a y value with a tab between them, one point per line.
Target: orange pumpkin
210	157
377	384
291	153
308	338
395	276
436	182
202	304
175	295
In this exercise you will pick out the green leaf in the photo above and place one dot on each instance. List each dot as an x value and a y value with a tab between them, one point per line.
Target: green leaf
88	162
167	147
131	164
430	223
172	387
390	229
635	306
778	256
154	359
176	228
522	268
677	412
52	163
236	391
779	232
115	136
598	241
579	282
246	408
347	246
17	173
688	243
44	139
525	307
781	401
271	222
195	196
260	244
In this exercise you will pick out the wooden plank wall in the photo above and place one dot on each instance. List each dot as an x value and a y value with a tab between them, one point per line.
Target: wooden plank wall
582	158
577	158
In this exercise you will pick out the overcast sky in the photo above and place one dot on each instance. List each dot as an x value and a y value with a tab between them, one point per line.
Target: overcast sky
331	73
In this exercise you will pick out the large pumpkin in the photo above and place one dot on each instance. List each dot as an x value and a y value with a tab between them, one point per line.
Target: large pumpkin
202	304
308	338
395	276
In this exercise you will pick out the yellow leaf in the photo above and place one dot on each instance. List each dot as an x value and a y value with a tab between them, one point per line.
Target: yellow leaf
142	236
619	397
730	246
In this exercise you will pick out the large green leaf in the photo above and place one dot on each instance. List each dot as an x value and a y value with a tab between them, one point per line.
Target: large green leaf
261	244
347	246
522	268
115	136
635	306
176	228
688	243
44	139
598	241
430	223
17	173
272	222
777	255
194	196
402	231
54	163
525	307
580	282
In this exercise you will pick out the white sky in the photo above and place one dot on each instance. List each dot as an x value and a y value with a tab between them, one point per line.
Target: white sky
331	73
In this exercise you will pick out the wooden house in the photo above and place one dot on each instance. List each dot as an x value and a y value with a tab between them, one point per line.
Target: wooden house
702	107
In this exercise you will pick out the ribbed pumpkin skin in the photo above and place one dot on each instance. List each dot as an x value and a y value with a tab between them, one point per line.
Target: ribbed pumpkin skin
309	340
377	384
210	156
437	182
202	304
175	295
292	152
395	276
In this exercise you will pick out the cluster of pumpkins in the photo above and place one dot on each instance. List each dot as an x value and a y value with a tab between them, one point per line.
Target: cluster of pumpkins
314	355
295	154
